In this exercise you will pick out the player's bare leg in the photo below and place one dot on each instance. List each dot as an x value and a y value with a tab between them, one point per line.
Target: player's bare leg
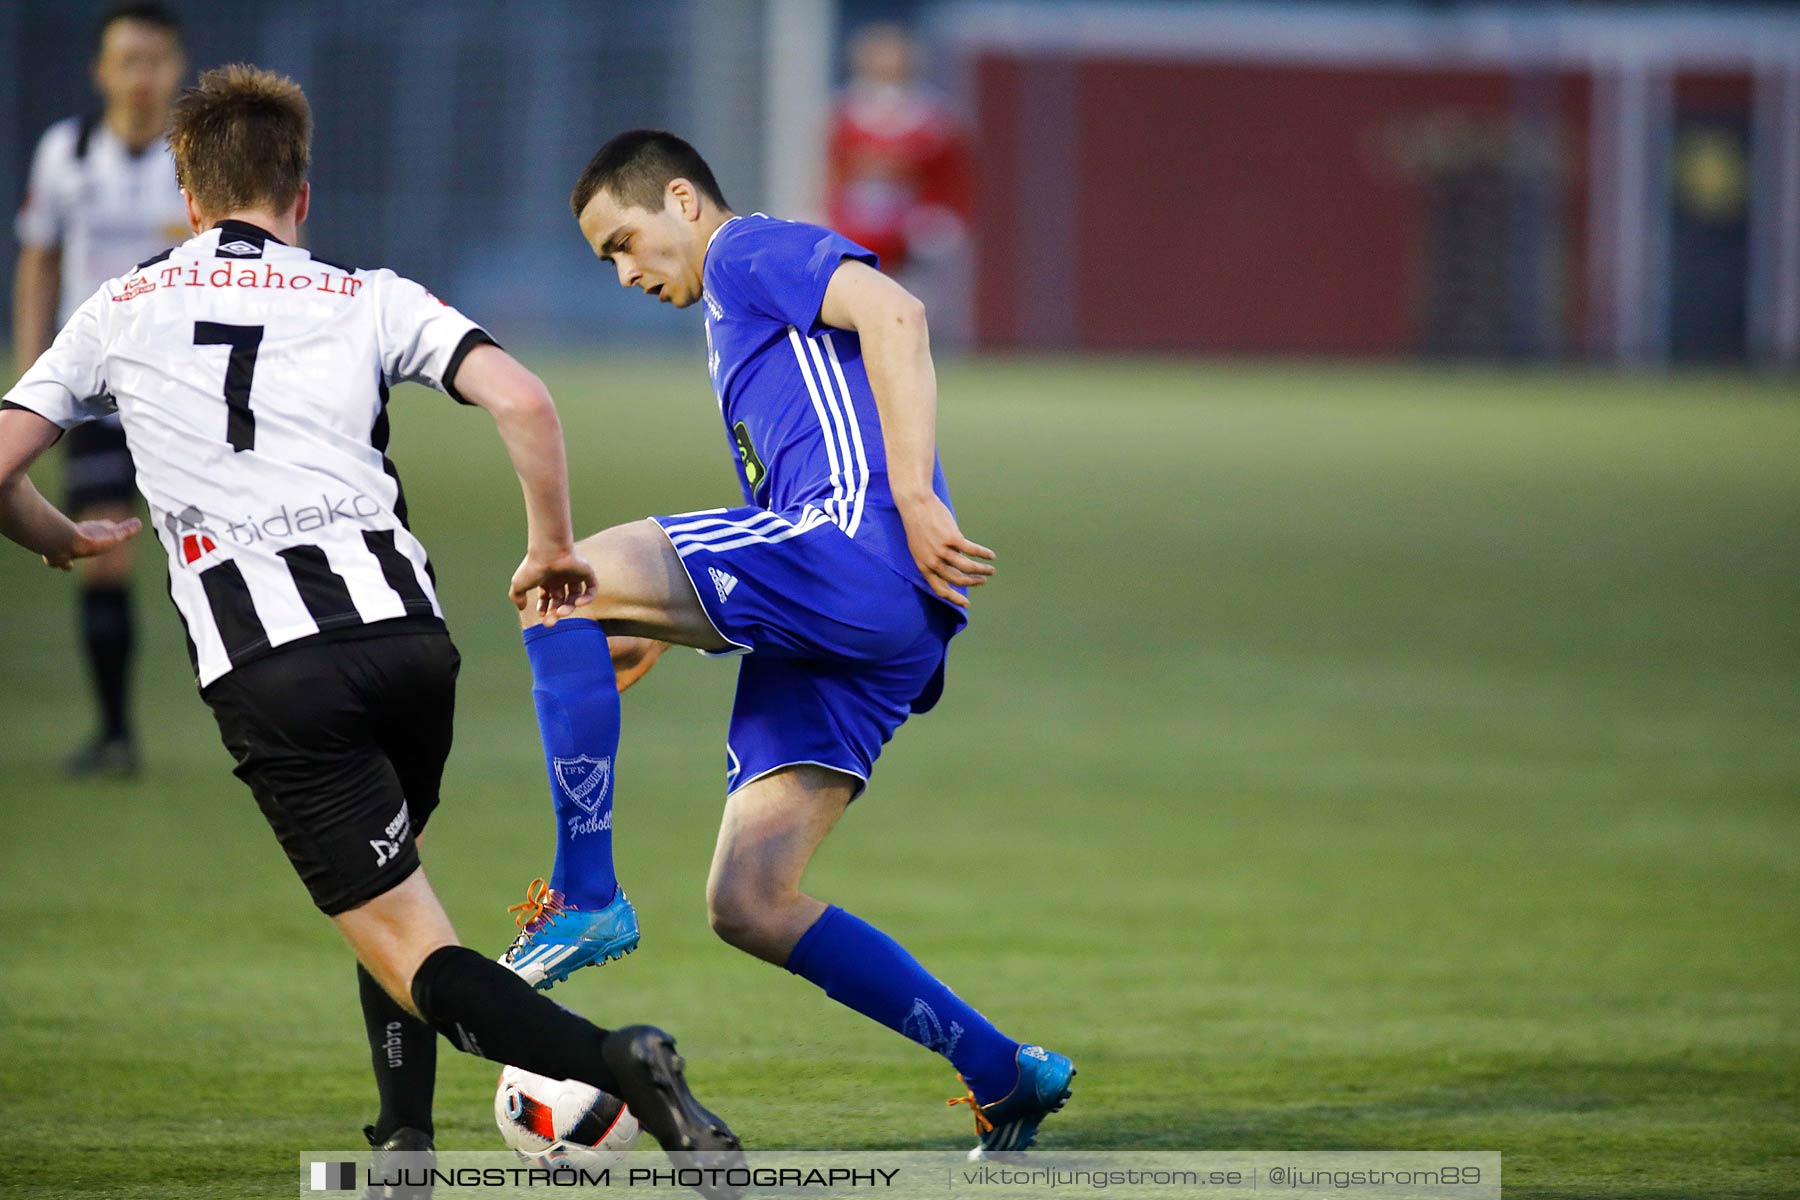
581	916
773	825
771	829
107	634
645	593
395	932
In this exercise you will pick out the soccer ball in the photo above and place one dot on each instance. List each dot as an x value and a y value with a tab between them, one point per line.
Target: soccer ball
559	1122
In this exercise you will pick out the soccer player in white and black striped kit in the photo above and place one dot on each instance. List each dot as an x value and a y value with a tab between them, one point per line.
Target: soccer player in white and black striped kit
102	195
252	380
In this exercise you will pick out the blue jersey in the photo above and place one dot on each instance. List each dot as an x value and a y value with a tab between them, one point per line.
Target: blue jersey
797	405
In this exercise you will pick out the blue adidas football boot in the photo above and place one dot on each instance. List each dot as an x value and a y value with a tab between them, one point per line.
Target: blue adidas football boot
556	939
1009	1125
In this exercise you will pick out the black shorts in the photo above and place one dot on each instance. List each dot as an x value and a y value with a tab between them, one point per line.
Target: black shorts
98	470
342	738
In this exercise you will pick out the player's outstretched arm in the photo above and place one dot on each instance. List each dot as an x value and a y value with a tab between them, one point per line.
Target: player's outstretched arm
29	519
525	415
896	351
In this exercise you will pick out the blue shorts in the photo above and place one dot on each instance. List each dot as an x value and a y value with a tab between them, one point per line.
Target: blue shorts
840	647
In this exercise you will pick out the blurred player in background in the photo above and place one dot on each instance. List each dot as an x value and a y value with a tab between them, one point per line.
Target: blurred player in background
102	196
898	176
841	580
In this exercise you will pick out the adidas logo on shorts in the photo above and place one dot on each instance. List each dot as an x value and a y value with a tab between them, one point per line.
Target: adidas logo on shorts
724	581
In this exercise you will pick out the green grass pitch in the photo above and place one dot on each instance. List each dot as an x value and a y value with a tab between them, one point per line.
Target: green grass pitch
1344	758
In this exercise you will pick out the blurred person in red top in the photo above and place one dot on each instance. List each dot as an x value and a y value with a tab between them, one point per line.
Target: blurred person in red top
898	173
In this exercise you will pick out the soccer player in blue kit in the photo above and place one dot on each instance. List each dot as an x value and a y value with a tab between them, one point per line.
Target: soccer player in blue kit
841	581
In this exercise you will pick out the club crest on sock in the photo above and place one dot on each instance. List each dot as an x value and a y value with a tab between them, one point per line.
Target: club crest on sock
588	782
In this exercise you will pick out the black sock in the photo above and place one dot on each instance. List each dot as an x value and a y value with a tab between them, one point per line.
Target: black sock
106	631
486	1010
403	1051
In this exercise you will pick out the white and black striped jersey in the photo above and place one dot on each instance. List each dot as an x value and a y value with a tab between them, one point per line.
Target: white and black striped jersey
252	380
102	205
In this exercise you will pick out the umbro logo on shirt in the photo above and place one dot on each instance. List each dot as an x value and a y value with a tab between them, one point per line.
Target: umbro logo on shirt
241	249
724	581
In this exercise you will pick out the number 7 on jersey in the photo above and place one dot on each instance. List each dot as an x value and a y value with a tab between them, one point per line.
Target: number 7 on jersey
244	340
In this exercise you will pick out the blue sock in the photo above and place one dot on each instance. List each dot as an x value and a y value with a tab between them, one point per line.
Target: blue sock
577	698
863	968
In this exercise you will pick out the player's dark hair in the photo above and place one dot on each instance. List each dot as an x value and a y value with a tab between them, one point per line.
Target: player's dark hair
160	16
242	138
636	167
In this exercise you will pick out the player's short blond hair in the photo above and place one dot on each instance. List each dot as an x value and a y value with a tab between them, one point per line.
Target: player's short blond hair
242	138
